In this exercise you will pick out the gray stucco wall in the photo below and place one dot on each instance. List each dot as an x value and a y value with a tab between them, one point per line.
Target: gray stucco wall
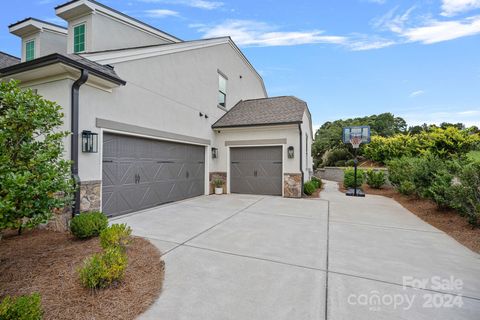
52	42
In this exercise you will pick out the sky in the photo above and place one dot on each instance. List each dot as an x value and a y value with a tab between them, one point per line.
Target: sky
346	58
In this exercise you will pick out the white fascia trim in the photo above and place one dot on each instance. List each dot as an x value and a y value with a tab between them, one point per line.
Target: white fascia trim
118	56
39	26
116	15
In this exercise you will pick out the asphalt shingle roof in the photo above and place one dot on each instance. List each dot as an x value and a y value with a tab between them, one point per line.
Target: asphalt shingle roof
7	60
264	111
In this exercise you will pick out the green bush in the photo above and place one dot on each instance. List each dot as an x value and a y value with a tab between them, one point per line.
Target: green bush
332	156
340	163
309	187
466	193
441	190
117	235
90	224
406	187
444	143
349	178
318	181
27	307
102	270
34	175
375	179
350	163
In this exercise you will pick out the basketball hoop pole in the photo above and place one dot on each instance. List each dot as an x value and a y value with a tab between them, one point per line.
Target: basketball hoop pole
355	170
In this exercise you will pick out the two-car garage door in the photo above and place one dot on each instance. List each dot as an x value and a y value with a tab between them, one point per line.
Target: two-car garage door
141	173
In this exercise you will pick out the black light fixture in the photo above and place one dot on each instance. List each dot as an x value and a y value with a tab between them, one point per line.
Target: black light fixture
89	141
290	152
214	153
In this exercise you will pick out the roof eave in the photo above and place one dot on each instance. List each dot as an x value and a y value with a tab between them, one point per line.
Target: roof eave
255	125
52	59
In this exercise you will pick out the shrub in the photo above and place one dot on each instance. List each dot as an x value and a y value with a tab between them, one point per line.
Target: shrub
406	187
318	181
27	307
332	156
102	270
440	190
34	176
350	163
340	163
349	178
116	236
309	187
88	225
466	193
375	179
443	143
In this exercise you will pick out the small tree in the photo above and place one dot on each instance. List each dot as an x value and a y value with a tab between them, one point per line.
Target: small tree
34	177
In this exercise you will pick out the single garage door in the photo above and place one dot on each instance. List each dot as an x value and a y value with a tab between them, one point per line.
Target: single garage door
142	173
256	170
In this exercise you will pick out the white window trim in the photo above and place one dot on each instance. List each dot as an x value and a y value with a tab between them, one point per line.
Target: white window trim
84	35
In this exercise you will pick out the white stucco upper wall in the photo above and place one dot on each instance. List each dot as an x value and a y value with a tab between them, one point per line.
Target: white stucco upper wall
168	93
307	160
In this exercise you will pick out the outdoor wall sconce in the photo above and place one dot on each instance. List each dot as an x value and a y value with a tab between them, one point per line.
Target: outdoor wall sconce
290	152
214	153
89	141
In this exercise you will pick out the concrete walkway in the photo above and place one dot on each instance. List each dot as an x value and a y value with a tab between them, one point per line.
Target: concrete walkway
257	257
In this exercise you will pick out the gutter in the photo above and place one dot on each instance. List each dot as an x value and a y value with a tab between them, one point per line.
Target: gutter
301	157
75	137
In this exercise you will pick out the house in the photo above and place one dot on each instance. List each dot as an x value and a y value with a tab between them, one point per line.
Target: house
154	119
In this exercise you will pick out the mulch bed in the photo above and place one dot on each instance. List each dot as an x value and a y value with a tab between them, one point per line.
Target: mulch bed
47	262
449	221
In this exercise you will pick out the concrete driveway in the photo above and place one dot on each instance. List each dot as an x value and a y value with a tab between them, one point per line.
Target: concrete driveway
259	257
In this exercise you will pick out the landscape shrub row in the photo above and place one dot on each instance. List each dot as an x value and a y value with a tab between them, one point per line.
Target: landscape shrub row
451	184
448	143
102	269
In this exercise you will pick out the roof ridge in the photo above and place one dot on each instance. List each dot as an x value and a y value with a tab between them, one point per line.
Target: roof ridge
38	20
10	55
154	45
120	13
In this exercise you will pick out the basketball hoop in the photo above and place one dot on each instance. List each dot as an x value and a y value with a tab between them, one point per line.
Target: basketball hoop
355	140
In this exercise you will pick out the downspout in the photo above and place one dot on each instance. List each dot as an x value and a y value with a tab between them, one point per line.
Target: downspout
301	158
74	138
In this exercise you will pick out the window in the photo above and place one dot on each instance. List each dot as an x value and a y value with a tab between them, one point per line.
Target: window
222	91
79	38
30	50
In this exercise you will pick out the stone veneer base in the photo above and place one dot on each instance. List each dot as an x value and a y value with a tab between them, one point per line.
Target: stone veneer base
292	185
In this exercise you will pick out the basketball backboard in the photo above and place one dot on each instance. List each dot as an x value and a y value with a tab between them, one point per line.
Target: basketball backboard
350	132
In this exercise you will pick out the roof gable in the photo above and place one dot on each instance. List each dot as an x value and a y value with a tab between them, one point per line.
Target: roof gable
264	111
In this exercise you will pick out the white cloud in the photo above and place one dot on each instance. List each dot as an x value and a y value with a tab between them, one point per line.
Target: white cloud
425	29
438	31
254	33
416	93
261	34
200	4
377	1
454	7
161	13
